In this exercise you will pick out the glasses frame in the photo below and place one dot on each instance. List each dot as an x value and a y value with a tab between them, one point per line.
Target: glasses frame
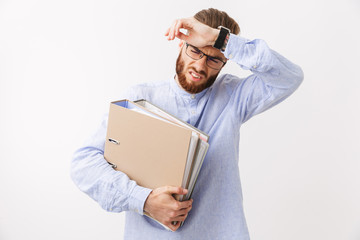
202	54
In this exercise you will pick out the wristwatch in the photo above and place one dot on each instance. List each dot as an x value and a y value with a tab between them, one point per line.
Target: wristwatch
222	39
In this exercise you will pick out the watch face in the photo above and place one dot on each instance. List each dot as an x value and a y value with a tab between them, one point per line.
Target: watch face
223	34
222	27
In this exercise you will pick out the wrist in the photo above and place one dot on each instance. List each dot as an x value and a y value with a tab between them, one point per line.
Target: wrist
222	39
146	203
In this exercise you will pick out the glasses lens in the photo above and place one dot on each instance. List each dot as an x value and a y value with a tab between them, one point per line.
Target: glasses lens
196	54
214	62
193	52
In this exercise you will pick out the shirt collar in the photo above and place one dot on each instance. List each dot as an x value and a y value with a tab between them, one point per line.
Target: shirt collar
178	90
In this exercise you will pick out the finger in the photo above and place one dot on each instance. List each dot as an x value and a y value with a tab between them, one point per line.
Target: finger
185	204
172	34
182	212
182	36
180	218
167	32
177	27
176	190
186	23
188	209
172	226
172	30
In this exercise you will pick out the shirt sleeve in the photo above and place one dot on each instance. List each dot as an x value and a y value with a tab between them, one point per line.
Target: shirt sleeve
273	77
113	190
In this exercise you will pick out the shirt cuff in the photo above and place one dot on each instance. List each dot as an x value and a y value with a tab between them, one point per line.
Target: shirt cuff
137	199
234	44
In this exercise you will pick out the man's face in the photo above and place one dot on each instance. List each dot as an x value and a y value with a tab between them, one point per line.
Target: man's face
194	75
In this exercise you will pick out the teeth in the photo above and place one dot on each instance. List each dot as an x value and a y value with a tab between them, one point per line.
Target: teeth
195	76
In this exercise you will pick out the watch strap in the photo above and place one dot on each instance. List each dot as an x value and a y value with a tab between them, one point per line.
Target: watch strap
222	39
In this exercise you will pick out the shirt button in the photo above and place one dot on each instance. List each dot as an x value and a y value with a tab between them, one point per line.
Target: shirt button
193	112
230	56
193	96
254	67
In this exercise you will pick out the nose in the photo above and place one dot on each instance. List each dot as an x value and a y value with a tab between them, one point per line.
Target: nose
200	65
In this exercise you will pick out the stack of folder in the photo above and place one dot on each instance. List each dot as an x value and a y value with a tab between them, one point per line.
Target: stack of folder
153	147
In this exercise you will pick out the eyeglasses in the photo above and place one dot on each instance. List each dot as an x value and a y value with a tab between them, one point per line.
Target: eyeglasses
196	54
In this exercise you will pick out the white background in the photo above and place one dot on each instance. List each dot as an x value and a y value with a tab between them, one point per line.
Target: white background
62	62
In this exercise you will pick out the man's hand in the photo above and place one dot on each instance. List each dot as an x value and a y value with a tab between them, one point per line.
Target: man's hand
162	206
198	34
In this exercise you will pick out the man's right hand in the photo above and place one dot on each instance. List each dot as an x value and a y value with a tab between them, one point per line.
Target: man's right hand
162	206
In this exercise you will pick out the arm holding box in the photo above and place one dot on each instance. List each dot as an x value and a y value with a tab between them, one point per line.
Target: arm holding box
116	192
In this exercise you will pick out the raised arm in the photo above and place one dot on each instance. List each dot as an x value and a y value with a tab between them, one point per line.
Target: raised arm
274	77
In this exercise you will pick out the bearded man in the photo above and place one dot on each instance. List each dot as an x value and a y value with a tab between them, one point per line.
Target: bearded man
217	105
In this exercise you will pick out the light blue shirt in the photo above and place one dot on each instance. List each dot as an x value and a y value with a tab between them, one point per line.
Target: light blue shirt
219	111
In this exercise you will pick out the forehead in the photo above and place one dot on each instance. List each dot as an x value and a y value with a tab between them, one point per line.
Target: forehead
209	50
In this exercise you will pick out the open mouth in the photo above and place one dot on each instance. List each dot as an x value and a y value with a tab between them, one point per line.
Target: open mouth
195	76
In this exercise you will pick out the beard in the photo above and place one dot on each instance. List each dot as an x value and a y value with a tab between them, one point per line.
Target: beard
192	87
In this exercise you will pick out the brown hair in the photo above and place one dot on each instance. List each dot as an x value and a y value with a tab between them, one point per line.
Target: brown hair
215	18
